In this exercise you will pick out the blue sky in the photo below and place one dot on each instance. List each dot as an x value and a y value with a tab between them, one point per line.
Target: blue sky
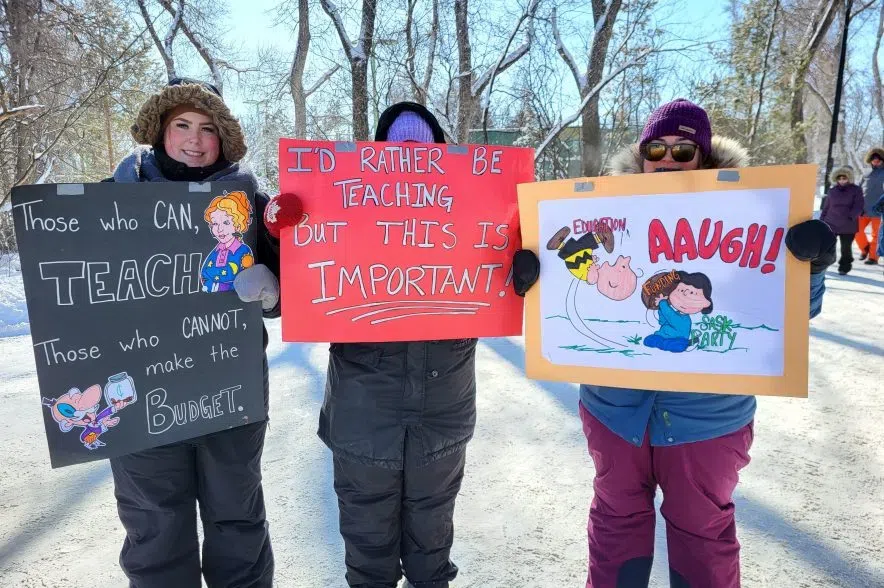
252	21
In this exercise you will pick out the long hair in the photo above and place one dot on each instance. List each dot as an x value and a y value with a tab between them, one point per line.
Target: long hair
237	205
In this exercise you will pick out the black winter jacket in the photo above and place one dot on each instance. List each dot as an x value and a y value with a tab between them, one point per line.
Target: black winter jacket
388	402
267	253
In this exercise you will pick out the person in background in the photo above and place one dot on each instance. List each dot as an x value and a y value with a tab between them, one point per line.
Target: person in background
879	210
874	189
187	134
397	417
690	445
841	210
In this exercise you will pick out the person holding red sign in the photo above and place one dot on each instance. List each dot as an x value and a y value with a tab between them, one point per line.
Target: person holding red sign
189	135
397	417
690	445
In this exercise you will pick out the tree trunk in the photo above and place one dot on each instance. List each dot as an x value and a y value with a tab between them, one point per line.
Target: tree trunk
111	158
591	134
420	89
22	14
753	130
876	71
359	67
360	99
466	104
796	117
296	79
168	61
819	25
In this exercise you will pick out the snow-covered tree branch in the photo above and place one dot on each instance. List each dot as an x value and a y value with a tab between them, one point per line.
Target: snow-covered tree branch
592	93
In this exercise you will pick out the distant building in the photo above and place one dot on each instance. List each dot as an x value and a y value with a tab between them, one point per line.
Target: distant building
569	144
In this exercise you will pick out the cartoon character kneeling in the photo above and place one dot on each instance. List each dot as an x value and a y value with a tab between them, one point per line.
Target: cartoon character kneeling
687	294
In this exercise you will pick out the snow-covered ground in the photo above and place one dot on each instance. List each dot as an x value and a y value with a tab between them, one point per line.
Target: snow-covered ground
810	506
13	310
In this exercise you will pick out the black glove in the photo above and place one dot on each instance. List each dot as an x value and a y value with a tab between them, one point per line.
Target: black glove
812	241
526	270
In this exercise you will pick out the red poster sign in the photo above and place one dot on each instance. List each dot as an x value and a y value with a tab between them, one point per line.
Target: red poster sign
401	241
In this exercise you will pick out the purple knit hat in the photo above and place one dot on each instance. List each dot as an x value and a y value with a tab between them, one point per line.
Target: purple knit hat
679	117
410	126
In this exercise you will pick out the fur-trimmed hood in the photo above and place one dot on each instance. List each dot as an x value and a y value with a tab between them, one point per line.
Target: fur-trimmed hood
879	151
148	127
844	170
726	153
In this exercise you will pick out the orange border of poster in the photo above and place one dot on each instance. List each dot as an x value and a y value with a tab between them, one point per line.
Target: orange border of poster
800	180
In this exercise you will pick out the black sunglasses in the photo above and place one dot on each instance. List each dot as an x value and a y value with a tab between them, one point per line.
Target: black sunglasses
681	152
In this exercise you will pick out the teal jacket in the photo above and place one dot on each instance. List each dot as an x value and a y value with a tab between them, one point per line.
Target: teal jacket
674	418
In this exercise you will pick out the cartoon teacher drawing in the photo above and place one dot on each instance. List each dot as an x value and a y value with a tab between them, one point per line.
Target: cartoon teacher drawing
229	217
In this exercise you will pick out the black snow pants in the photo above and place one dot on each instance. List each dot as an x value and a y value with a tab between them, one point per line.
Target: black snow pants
157	493
398	417
392	516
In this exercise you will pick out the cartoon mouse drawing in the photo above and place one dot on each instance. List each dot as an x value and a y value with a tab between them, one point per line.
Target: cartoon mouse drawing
81	409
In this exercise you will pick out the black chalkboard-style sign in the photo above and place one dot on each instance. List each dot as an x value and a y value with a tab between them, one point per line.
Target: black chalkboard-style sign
139	338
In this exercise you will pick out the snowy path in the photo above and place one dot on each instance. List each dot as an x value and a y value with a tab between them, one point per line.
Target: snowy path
810	505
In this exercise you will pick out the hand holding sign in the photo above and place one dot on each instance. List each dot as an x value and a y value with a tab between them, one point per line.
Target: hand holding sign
812	241
257	284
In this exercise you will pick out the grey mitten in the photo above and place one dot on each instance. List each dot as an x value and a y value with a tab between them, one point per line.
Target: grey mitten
257	283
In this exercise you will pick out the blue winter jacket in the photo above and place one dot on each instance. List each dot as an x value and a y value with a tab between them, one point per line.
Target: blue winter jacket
878	209
674	418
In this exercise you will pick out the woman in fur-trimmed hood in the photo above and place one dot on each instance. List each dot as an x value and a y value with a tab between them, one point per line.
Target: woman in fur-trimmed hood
689	444
841	210
187	134
724	153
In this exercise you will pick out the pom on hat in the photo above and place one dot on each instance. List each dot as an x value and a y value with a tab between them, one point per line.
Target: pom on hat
681	118
282	211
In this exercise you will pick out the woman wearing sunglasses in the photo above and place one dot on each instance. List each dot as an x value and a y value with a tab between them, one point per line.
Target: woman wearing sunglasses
690	445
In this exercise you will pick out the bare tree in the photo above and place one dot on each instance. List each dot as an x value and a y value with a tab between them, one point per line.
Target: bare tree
56	63
753	131
850	155
296	73
604	16
197	21
590	95
527	15
163	46
818	25
876	72
357	55
420	89
470	88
